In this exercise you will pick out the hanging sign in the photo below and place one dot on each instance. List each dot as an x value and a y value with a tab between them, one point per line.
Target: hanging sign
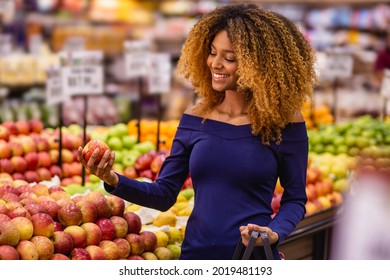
385	86
54	93
74	43
5	44
137	58
7	9
338	65
159	77
82	72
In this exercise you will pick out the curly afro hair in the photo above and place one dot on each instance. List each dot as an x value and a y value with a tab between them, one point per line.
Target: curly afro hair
275	65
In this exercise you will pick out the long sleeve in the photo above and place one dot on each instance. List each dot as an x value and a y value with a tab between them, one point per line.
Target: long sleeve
293	158
162	193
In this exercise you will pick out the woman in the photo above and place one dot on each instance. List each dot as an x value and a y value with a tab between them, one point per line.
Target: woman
253	70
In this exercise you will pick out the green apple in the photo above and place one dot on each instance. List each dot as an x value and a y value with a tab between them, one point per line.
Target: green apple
145	147
93	178
99	136
129	159
115	143
129	141
117	167
118	156
118	130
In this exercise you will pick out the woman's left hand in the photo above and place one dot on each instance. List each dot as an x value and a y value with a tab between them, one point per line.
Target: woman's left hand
246	234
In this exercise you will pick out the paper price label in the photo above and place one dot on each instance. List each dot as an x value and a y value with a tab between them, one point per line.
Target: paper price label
159	77
54	93
82	72
7	9
338	65
385	86
74	43
137	58
5	44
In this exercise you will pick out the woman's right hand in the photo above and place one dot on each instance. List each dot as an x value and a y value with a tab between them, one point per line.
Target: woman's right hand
102	169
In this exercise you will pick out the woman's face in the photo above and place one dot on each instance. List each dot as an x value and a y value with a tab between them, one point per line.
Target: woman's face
222	63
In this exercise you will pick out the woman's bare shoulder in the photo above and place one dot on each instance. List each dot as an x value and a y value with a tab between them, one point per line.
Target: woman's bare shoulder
191	110
298	117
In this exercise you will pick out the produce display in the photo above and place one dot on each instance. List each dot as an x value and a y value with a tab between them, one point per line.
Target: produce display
33	185
41	222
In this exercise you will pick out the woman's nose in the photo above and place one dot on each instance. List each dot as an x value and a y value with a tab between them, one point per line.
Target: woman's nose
216	63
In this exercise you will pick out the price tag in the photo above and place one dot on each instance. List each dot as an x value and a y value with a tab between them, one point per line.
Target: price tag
385	86
137	58
82	72
338	65
159	77
74	43
7	9
5	44
35	44
54	93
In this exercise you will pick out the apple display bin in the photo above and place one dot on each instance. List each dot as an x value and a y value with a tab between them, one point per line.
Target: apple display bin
245	253
312	237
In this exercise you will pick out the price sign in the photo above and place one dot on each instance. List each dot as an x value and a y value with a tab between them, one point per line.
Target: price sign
385	86
74	43
54	93
159	77
7	9
137	58
338	65
5	44
35	44
82	72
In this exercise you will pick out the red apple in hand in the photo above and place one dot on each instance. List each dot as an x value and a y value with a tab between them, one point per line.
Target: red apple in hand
91	146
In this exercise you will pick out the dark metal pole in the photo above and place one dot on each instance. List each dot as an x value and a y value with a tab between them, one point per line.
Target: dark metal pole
84	135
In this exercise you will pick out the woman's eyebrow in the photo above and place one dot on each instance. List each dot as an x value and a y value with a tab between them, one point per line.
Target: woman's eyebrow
224	50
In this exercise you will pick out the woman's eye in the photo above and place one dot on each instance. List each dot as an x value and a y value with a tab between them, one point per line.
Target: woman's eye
230	59
213	54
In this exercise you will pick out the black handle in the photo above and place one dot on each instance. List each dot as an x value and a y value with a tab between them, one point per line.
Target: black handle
251	245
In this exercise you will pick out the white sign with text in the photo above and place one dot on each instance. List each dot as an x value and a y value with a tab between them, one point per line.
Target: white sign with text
159	77
54	93
82	72
137	58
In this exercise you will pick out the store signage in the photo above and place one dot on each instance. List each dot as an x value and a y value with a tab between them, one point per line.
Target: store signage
82	72
159	77
7	9
5	44
338	65
54	93
385	87
74	43
137	58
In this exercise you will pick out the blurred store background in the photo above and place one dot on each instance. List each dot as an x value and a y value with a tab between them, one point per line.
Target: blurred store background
34	31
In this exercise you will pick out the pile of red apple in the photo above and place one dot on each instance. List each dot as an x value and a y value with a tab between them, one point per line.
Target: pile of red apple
30	152
38	222
319	191
148	166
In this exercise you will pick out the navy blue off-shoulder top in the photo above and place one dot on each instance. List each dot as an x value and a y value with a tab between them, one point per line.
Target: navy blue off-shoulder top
234	177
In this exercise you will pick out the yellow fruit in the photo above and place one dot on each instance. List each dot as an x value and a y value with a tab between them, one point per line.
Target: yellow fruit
185	212
165	218
133	207
163	253
162	238
182	231
175	249
181	198
181	205
174	235
174	210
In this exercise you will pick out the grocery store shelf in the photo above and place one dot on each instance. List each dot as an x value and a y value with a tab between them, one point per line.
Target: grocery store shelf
312	237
